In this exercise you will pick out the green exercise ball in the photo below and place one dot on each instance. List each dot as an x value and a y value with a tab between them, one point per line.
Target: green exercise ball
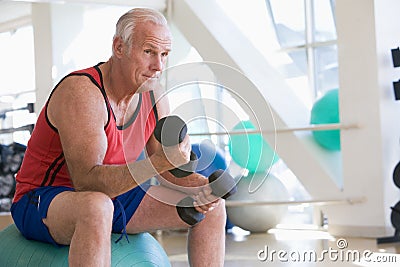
324	111
251	151
142	250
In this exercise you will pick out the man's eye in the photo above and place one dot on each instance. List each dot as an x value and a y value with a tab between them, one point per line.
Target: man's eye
165	54
147	51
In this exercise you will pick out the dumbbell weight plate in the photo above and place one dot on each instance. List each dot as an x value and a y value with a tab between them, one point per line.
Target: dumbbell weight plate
396	175
395	216
170	130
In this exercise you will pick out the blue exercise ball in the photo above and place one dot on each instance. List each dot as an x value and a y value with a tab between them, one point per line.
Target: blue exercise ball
210	157
142	250
251	151
324	111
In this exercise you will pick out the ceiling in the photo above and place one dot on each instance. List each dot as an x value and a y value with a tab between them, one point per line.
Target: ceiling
17	13
159	4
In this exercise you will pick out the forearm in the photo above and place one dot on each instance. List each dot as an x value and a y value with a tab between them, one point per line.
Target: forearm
115	180
191	184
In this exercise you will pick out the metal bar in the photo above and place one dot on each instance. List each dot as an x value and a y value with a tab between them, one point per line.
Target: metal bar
12	130
347	201
29	107
309	39
312	127
305	46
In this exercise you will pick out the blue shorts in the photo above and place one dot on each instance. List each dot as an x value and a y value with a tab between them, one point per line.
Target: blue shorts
29	211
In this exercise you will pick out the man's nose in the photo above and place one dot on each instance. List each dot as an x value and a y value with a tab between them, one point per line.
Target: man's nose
158	63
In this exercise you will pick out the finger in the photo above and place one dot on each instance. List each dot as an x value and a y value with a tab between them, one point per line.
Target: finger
207	190
207	194
200	208
204	207
207	208
199	203
203	199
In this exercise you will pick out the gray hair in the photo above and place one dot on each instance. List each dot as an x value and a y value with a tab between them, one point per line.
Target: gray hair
127	23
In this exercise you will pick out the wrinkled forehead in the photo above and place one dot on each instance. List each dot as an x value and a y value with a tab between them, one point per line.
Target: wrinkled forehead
153	34
151	29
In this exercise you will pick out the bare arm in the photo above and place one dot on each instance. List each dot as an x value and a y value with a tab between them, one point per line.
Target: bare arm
78	111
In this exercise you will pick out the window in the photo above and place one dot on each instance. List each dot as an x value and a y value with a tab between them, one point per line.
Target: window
306	32
17	82
297	37
17	89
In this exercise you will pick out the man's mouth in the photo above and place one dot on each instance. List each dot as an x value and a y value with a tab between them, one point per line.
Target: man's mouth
155	76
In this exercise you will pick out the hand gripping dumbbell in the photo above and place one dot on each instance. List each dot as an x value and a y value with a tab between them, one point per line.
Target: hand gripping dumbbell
170	131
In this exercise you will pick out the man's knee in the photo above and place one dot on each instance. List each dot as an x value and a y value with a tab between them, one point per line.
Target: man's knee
187	212
97	205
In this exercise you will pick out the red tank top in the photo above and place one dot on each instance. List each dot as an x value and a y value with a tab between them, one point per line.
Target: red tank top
44	163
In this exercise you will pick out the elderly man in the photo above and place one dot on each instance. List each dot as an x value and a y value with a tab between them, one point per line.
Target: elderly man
81	178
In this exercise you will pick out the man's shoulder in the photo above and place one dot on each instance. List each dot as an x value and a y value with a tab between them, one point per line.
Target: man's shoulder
77	89
74	97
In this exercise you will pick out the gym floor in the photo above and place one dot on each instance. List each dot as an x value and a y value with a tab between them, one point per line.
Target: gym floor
284	247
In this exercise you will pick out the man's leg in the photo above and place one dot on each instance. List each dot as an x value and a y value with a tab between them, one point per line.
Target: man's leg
82	220
206	240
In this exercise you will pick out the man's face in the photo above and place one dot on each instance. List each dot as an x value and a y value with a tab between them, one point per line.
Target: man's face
148	54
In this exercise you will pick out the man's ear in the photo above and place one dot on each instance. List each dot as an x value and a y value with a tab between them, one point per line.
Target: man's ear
118	46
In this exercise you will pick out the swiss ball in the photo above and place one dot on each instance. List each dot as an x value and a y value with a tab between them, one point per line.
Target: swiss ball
210	157
142	250
258	218
324	111
251	151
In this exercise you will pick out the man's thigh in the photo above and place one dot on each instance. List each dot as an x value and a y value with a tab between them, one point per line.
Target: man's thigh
157	211
30	211
69	208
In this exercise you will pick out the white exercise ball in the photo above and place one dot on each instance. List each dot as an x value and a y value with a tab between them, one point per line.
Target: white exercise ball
258	218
